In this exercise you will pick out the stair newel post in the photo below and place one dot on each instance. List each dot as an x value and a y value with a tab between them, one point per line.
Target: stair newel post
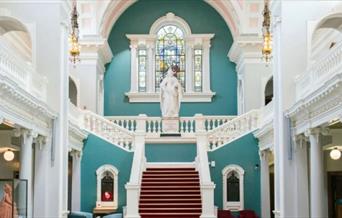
134	185
207	186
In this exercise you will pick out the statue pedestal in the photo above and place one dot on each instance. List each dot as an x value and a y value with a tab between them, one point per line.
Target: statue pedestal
170	126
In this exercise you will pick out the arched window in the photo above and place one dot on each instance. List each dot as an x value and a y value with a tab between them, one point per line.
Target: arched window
170	43
72	92
170	51
233	186
107	187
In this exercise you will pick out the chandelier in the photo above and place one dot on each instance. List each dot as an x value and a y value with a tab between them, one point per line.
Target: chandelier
267	37
74	49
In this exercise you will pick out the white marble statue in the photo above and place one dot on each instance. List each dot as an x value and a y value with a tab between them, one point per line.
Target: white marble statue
170	95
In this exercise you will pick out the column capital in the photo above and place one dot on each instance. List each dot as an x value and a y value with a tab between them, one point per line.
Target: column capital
316	131
76	153
300	141
264	154
246	49
40	141
25	132
312	132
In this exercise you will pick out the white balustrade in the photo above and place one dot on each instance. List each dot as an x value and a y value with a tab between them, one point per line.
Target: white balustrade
154	124
316	74
233	129
22	73
112	132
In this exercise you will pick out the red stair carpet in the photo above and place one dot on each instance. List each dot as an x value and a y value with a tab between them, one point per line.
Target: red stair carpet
170	193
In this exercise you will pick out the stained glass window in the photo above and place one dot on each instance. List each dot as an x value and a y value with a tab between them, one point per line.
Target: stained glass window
233	187
142	60
170	51
198	70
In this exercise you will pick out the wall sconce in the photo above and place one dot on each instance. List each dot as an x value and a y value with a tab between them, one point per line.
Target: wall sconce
9	155
335	154
267	36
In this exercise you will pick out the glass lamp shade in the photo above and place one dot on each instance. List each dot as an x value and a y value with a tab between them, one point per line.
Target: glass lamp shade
335	154
9	155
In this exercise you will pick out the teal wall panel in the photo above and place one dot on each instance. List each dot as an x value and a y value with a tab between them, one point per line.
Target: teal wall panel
96	153
138	19
170	152
243	152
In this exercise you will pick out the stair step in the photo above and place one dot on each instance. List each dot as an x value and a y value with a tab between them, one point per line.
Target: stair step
171	200
171	183
171	187
171	205
169	171
170	215
170	210
170	195
162	179
193	175
170	168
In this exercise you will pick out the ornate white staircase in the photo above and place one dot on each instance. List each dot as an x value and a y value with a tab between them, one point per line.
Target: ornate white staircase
131	134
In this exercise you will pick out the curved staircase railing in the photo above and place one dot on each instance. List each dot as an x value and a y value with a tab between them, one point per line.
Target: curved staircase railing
233	129
109	131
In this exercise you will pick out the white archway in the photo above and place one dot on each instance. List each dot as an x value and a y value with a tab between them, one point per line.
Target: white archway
229	11
15	37
326	34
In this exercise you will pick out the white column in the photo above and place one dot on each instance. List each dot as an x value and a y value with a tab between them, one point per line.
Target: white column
94	55
316	175
150	67
26	166
206	66
76	181
40	176
189	71
134	67
265	184
301	176
278	123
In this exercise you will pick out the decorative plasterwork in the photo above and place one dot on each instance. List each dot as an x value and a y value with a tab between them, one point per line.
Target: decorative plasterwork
24	109
265	136
319	107
233	205
95	49
229	11
246	49
76	136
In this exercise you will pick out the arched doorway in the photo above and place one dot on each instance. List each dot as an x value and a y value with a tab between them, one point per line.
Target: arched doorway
269	91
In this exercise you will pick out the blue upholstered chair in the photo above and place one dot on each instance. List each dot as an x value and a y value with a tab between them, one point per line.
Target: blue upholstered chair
79	214
114	215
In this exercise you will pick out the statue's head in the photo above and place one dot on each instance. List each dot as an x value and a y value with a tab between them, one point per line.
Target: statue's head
175	68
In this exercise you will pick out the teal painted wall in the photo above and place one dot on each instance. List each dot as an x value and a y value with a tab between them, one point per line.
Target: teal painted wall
96	153
138	19
170	152
243	152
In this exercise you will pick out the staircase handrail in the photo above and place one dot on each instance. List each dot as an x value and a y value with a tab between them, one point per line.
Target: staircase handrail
103	128
233	129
